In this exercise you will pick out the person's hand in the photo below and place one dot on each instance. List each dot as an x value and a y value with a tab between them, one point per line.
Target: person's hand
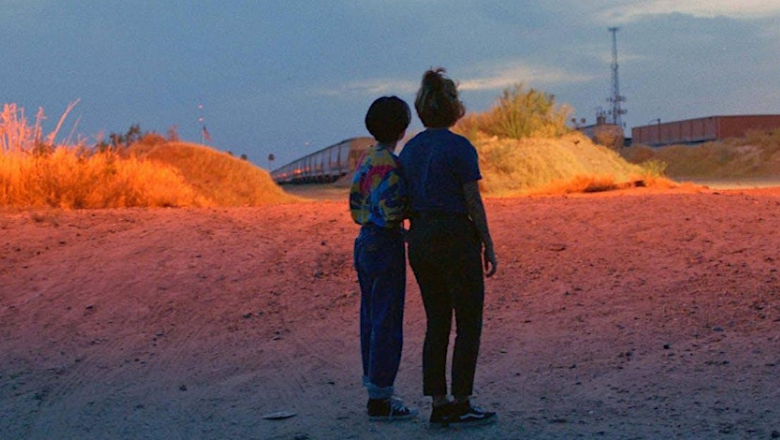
490	261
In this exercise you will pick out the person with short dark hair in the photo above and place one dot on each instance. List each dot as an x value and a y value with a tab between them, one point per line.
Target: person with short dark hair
378	203
449	242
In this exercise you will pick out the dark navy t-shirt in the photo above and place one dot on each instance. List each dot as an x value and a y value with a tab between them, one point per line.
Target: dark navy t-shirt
436	163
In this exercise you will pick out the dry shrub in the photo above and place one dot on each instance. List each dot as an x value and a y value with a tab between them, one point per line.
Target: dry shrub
34	171
518	114
16	134
66	179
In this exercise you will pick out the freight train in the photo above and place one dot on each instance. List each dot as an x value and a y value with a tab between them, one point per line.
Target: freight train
694	131
326	165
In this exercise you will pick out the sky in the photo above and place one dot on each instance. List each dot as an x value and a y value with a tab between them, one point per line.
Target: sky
290	77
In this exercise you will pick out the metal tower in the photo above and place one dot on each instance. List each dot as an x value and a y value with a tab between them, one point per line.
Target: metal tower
616	98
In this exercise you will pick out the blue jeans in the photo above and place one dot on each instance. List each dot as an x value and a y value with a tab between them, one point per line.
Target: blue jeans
380	261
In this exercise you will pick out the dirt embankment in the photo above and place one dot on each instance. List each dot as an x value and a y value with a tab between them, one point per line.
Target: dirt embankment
630	314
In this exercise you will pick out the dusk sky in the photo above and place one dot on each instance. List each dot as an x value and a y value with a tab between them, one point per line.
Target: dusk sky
289	77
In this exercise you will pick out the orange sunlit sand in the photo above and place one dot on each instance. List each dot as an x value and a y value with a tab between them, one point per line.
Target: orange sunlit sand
628	312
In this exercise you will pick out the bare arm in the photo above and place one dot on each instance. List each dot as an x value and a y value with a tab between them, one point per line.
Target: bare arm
477	213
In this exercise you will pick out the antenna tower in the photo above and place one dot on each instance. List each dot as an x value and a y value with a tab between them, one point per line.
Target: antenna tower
616	98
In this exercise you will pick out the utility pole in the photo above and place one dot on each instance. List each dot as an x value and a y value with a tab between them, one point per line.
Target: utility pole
616	98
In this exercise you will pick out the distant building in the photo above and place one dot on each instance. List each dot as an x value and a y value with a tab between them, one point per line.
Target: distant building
695	131
604	133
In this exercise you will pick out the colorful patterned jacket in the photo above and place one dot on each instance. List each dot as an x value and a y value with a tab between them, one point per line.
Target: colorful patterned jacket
378	193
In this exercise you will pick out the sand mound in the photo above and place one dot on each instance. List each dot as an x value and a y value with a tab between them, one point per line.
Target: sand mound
511	166
218	176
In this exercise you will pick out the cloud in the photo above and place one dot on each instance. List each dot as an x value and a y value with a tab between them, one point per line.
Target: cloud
508	74
371	87
485	78
497	77
744	9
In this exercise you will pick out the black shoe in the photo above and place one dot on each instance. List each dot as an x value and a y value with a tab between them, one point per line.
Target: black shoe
388	410
440	415
464	414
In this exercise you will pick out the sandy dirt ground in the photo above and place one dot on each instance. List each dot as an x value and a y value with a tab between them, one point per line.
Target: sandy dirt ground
634	314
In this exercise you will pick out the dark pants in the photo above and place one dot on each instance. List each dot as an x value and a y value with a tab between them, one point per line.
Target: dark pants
380	261
445	255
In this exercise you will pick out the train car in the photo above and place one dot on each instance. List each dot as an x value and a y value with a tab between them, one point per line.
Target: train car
326	165
695	131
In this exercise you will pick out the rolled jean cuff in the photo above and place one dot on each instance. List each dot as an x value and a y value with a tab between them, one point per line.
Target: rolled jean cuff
375	391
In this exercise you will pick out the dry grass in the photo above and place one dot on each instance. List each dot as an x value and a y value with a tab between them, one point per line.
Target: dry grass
572	163
66	179
36	172
755	155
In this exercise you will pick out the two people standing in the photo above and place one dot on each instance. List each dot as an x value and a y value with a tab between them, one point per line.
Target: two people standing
436	180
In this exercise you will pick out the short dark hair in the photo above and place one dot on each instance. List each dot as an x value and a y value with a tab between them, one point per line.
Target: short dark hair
387	118
437	102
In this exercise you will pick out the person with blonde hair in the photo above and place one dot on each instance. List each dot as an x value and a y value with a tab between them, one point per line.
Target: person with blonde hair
449	244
